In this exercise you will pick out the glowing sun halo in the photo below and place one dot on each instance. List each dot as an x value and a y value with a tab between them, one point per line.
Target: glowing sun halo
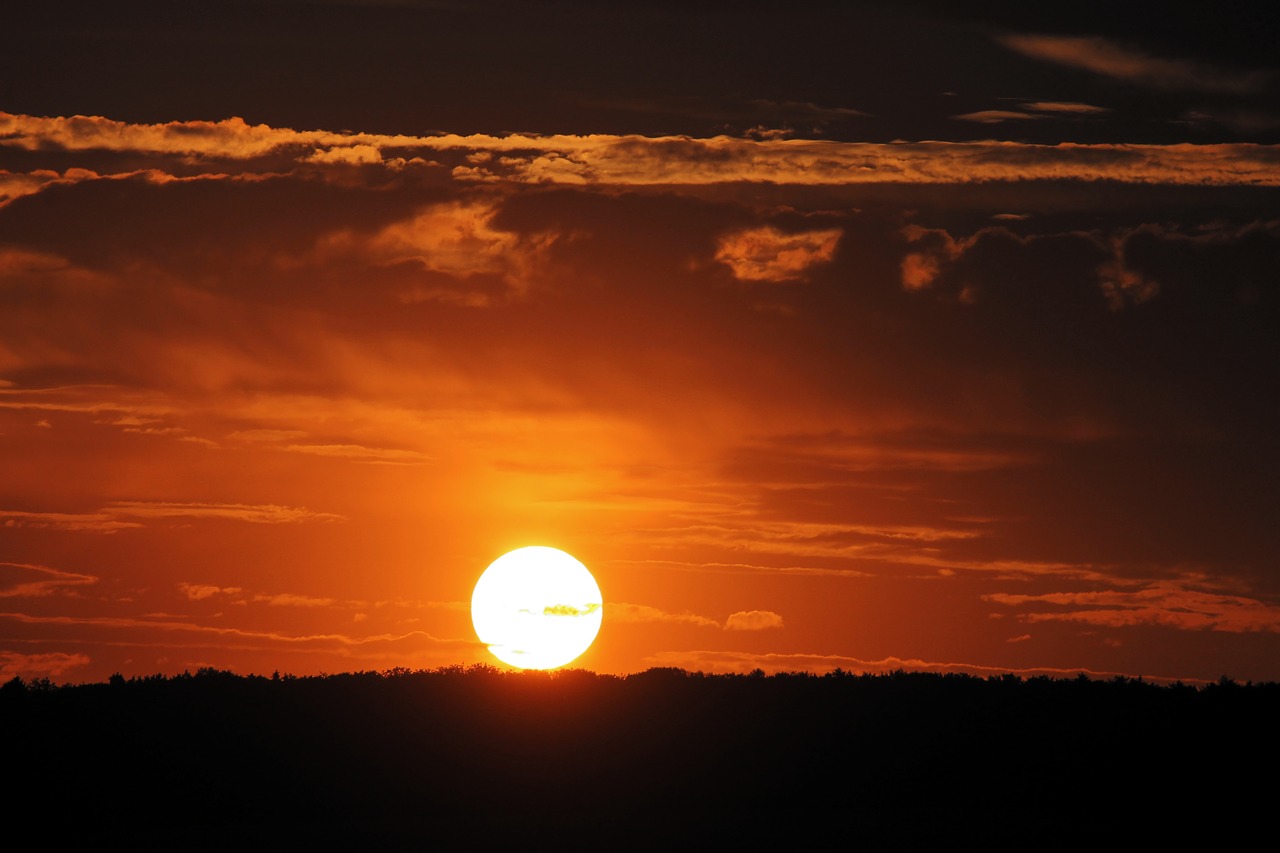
536	608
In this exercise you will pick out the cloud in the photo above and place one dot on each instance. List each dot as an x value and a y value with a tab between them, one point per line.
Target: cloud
200	592
1109	59
750	533
352	155
674	160
47	581
1038	110
1239	120
762	132
456	238
1122	284
752	620
570	609
1065	107
167	626
90	522
360	453
602	159
46	665
231	138
618	611
767	254
87	399
252	513
455	246
995	116
287	599
1170	604
239	595
13	184
751	568
936	247
115	516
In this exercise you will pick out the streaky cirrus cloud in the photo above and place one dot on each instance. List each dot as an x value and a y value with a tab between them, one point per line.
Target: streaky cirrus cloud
1034	110
1065	107
1109	58
239	595
46	580
995	116
293	599
254	514
116	515
105	400
165	625
1170	604
85	522
750	568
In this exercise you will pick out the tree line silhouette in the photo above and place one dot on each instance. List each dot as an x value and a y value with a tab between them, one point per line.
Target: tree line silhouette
477	757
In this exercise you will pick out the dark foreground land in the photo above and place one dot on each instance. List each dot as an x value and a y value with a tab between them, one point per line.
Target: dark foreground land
481	759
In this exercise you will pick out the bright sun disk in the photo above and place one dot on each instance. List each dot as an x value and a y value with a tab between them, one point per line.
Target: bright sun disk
536	608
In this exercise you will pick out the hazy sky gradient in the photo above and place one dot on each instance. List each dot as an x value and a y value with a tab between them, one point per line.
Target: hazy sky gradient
847	335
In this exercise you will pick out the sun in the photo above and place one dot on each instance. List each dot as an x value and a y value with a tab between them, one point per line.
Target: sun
536	608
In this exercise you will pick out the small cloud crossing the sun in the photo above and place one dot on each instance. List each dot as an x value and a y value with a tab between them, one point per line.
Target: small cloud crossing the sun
570	609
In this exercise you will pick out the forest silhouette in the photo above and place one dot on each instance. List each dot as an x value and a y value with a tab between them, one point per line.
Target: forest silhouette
484	758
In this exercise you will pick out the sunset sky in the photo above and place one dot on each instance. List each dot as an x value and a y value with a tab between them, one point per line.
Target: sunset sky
865	335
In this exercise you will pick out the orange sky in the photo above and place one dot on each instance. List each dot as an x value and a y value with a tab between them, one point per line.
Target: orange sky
272	397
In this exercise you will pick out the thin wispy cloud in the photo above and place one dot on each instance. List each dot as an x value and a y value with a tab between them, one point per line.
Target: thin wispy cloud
1109	58
995	116
618	611
27	580
1169	604
252	513
122	515
1074	108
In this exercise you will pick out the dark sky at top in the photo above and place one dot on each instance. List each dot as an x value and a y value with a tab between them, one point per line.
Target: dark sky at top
843	70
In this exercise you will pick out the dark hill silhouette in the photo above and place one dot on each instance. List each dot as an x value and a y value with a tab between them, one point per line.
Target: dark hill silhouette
483	759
